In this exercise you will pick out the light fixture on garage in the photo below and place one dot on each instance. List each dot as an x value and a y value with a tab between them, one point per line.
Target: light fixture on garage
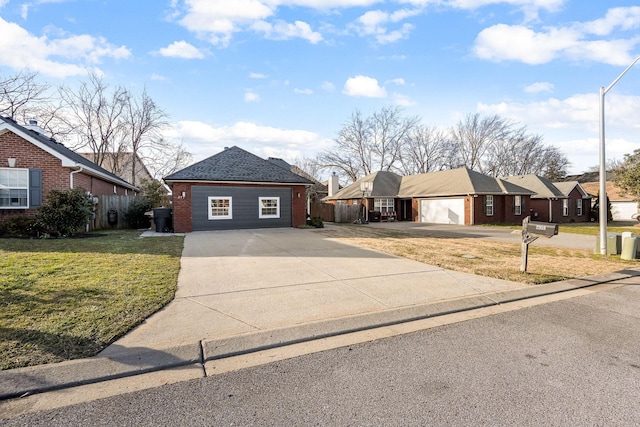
11	161
184	194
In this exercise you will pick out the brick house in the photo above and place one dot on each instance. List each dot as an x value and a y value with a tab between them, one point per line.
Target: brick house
457	196
235	189
555	202
32	164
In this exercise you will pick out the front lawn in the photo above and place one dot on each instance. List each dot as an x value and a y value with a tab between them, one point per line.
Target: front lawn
483	257
65	299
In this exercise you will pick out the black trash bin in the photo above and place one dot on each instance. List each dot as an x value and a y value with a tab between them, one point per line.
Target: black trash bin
162	219
374	216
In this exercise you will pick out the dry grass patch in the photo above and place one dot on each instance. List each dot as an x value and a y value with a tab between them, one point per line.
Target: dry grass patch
481	256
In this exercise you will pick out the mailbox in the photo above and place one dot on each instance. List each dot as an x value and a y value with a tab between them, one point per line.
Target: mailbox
542	229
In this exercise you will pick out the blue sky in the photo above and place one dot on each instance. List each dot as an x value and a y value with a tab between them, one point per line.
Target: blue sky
280	77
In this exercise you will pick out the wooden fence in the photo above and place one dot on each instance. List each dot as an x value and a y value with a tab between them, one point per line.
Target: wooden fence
347	213
323	210
107	203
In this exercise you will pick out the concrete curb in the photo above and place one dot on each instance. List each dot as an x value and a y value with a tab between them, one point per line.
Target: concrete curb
135	361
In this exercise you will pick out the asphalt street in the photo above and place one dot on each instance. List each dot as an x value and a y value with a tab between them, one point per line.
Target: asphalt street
574	362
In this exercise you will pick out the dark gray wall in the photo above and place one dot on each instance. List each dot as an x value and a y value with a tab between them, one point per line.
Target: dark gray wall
244	208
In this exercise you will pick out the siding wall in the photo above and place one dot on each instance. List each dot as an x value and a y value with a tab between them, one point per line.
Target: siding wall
245	209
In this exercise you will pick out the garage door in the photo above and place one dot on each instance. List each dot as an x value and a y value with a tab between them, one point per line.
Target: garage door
622	211
442	211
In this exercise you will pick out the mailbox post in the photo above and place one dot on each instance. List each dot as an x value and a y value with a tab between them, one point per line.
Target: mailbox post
531	230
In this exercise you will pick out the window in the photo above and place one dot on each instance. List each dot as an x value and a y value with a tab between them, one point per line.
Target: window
565	207
384	205
220	208
14	188
488	205
517	205
269	207
579	207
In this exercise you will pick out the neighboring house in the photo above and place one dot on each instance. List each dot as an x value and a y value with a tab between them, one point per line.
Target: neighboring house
622	206
235	189
457	196
32	165
554	202
125	165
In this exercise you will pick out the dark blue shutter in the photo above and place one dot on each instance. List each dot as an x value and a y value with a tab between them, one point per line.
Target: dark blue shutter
35	188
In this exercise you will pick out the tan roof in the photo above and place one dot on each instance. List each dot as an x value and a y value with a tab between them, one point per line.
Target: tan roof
567	187
613	191
541	186
454	182
385	184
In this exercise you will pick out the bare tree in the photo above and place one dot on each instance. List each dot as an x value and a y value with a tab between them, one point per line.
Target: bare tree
143	123
174	157
425	149
555	164
20	94
475	135
97	112
369	144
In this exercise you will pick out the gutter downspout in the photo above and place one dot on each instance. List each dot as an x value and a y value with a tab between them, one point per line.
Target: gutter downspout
71	176
550	211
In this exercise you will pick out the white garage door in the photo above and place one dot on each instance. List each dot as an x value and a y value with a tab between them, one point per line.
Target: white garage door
442	211
622	211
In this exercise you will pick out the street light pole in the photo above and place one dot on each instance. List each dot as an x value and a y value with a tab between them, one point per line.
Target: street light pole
603	167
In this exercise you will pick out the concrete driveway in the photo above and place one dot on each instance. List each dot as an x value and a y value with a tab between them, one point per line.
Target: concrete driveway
239	283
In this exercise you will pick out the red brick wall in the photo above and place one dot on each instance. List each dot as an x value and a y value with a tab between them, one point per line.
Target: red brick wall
182	214
54	176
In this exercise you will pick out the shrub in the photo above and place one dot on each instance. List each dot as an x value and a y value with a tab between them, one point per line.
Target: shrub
134	216
316	222
66	212
21	227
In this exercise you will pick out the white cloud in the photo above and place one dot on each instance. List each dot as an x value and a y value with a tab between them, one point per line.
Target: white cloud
204	140
364	86
503	42
530	8
572	124
328	86
181	49
398	81
250	96
538	87
281	30
158	77
257	76
74	54
403	100
303	91
375	23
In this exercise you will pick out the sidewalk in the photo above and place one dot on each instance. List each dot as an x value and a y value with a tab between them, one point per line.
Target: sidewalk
250	290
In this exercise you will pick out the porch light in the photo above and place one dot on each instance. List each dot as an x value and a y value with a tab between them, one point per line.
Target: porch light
11	161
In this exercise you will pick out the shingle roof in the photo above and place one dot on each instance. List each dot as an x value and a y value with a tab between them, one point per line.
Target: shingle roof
541	186
63	151
237	165
454	182
567	187
385	184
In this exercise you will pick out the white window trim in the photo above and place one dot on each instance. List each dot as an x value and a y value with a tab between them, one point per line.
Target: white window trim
387	206
517	200
565	207
217	217
488	206
18	188
579	207
260	207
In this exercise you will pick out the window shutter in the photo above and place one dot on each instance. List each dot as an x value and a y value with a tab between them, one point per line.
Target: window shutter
484	206
35	188
513	204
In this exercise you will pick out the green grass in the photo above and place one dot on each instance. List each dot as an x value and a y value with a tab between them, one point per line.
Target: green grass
587	228
64	299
